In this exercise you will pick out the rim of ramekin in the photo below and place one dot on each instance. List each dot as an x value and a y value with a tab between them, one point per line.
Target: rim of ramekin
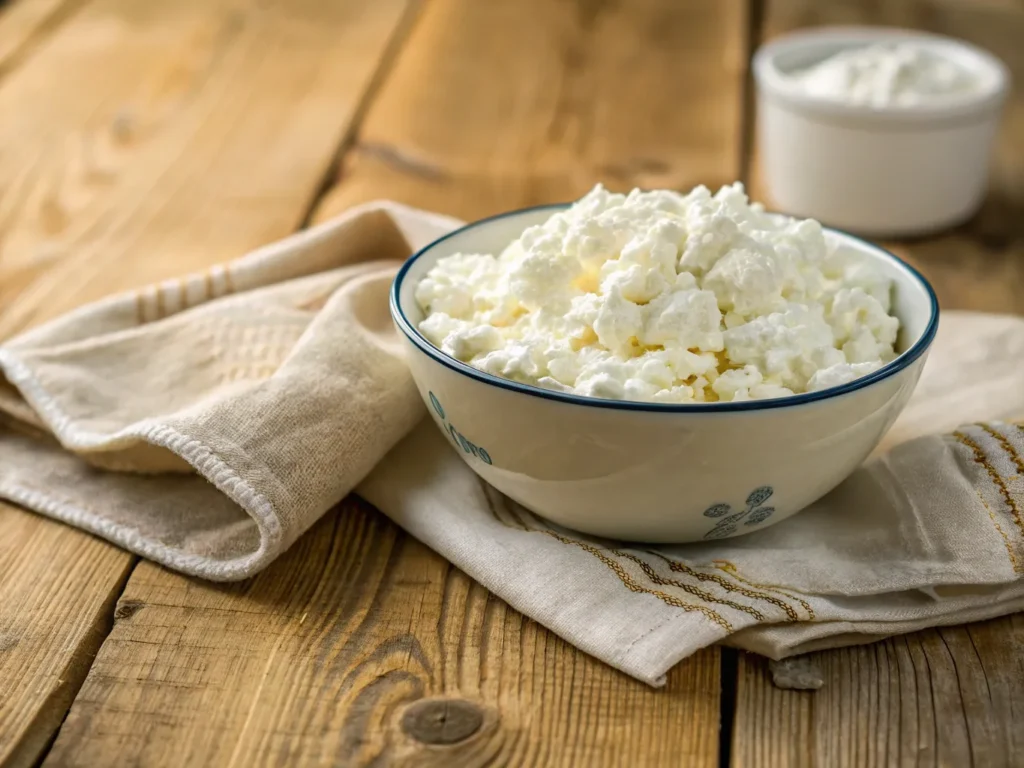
899	363
776	84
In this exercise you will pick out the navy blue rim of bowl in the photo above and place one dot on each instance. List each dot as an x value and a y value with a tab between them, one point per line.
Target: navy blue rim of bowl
902	361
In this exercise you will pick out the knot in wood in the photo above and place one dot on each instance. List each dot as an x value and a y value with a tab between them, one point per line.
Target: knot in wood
127	608
442	721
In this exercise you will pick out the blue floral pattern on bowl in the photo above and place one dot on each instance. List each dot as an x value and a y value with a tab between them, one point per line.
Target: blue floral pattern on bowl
729	519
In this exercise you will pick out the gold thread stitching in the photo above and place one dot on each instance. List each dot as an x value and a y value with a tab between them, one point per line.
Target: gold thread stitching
732	570
1007	446
633	586
982	459
979	457
689	588
679	567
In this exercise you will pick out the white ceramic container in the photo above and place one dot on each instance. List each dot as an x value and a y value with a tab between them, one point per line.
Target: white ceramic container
657	472
894	170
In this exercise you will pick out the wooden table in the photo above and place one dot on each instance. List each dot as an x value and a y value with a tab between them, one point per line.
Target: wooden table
142	139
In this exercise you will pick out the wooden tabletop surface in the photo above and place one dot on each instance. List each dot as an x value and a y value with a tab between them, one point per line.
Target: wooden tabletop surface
141	139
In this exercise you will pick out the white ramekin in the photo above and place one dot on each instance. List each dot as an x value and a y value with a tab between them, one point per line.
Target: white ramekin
649	471
893	171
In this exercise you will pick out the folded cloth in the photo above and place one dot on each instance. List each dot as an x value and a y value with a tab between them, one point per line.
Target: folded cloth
207	422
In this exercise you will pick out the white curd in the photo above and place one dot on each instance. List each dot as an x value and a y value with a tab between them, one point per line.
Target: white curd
882	75
664	297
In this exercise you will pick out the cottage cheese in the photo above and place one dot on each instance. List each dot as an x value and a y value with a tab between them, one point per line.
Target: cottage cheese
667	298
900	74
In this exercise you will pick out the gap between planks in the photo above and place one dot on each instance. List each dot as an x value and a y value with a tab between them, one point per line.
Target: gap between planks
86	655
394	46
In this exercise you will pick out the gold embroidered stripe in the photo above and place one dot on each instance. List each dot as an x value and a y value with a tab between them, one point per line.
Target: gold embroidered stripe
650	572
979	457
633	586
1006	446
679	567
689	588
982	459
733	571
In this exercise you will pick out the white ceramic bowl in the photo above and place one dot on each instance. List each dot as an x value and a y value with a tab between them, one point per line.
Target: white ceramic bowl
657	472
881	171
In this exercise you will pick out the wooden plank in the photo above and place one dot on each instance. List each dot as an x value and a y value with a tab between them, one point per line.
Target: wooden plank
945	697
48	633
948	696
182	134
57	592
24	24
545	99
141	141
314	662
317	660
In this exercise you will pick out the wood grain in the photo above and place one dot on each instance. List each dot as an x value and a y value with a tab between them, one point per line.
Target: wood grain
57	591
506	104
944	697
55	607
952	696
152	139
27	23
316	660
141	140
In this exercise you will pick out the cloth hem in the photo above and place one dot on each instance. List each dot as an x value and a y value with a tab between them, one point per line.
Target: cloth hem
198	455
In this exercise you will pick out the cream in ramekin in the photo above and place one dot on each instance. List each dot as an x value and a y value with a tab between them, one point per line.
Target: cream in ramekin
877	168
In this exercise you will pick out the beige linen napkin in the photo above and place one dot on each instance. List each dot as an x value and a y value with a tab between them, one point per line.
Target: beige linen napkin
207	422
